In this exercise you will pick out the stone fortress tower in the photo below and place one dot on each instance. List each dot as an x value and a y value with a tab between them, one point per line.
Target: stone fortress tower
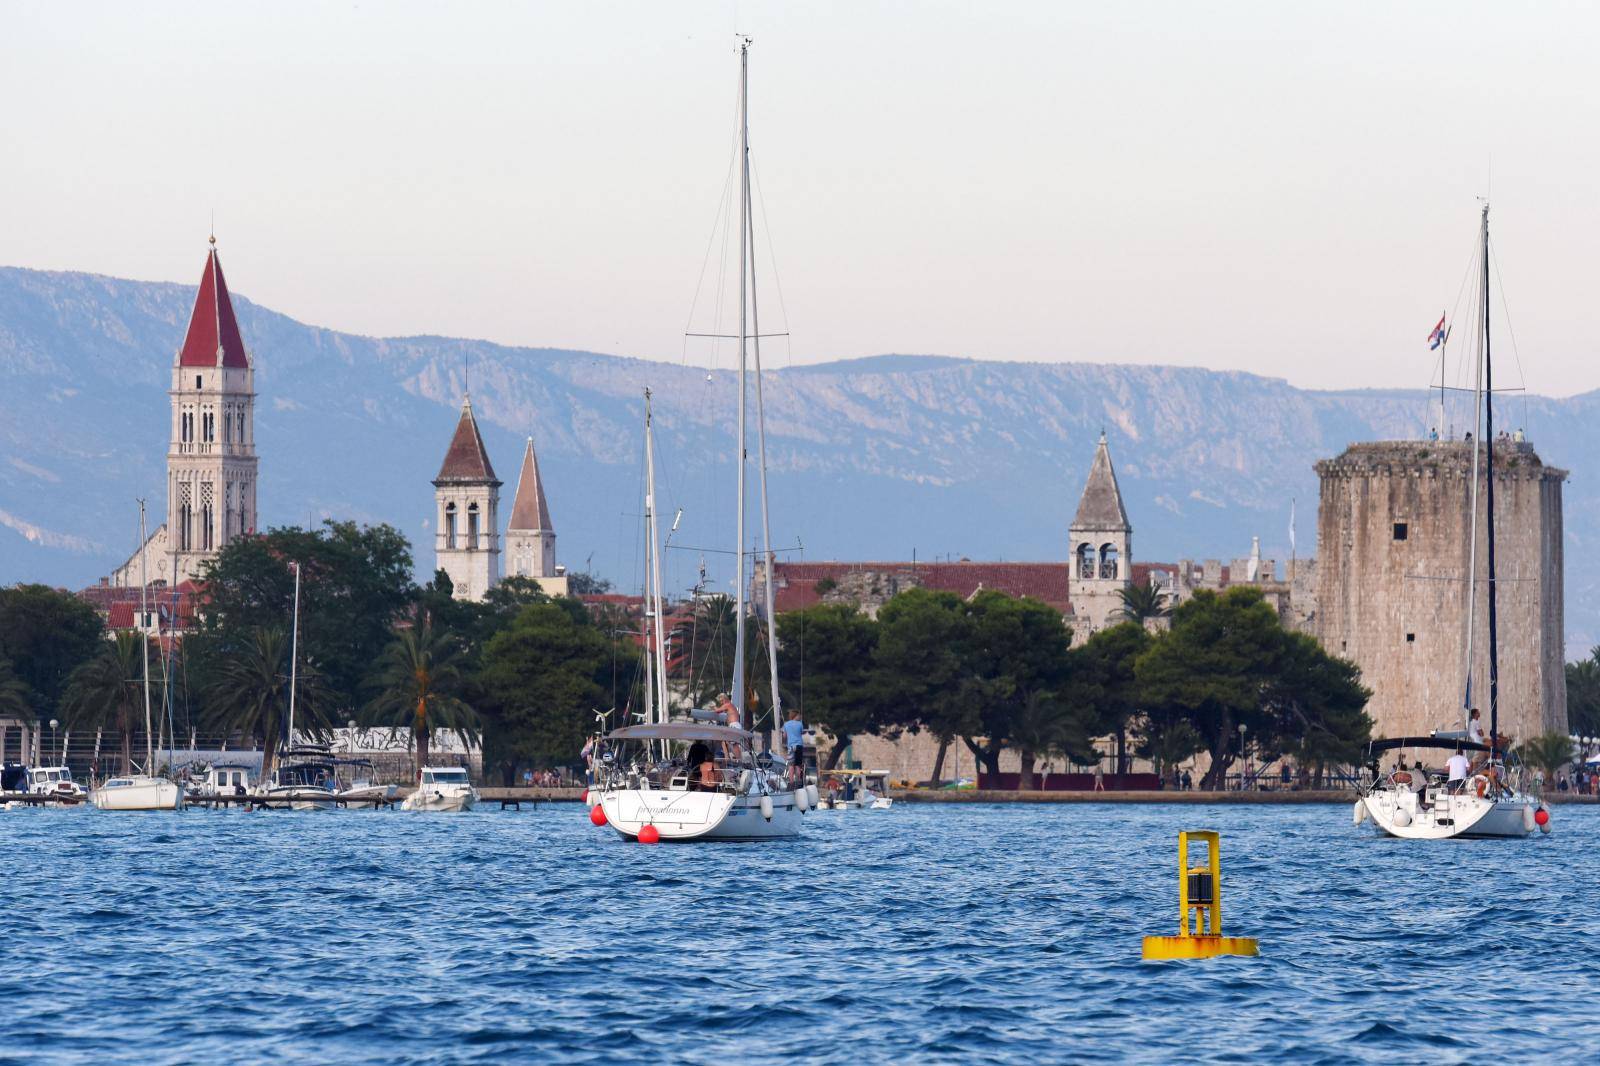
530	535
211	460
1394	529
1100	550
467	510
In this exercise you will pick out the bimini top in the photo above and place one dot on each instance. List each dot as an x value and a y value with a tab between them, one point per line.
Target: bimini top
1423	742
683	731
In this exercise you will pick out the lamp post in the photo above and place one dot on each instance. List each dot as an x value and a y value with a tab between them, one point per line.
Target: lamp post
352	726
53	724
1244	759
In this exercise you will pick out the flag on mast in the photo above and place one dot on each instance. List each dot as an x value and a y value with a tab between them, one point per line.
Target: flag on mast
1437	337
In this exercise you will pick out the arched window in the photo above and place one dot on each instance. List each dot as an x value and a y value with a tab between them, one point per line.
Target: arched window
472	527
1108	561
1086	560
449	525
240	435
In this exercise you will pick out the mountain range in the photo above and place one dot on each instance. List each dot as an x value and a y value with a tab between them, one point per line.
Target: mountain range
872	458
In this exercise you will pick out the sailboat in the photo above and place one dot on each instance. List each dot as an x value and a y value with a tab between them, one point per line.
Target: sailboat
143	791
703	779
305	778
1415	803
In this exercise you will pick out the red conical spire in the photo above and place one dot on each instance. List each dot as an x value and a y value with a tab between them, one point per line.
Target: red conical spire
213	338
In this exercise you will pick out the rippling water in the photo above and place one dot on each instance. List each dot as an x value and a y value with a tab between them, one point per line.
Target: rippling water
929	933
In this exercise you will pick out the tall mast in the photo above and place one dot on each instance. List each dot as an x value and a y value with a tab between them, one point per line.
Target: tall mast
656	646
1472	515
739	448
1488	451
144	633
294	651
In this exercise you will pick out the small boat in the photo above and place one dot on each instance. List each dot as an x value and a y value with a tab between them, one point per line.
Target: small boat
855	790
137	792
57	783
361	791
305	779
442	788
220	779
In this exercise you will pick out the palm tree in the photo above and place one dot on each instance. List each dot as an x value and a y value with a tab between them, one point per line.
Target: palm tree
1140	602
1548	753
14	702
416	680
107	691
249	693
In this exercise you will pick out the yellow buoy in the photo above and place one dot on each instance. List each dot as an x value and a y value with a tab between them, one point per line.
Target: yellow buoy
1199	908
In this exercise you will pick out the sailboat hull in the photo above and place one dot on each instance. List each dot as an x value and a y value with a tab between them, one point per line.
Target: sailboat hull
685	816
141	794
1402	814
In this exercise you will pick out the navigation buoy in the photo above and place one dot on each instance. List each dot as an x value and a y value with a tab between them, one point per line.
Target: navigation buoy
649	835
597	814
1199	908
766	807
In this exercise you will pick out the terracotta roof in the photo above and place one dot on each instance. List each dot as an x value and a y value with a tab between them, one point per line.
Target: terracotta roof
213	338
529	509
797	582
121	615
1101	508
466	459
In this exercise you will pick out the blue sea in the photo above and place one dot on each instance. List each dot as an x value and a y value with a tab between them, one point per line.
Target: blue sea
924	934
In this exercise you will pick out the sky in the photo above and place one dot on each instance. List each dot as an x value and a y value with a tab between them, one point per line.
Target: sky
1287	189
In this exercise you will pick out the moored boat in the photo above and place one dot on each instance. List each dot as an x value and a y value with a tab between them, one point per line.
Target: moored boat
442	788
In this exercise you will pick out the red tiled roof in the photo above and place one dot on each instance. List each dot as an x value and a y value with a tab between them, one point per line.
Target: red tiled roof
213	337
466	459
121	615
797	582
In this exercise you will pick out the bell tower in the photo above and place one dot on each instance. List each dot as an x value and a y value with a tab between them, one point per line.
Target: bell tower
211	461
467	510
1101	543
530	535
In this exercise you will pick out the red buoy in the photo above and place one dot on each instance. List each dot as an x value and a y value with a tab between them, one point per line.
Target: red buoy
649	835
597	814
1541	816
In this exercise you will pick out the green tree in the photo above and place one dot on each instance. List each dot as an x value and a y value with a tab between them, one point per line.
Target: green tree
107	692
587	584
1017	653
1140	602
1549	752
1049	725
47	634
541	678
1583	695
248	693
1316	708
1103	679
15	696
827	672
1213	665
355	583
922	660
418	681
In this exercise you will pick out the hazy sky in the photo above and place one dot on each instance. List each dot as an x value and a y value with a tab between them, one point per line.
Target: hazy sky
1283	188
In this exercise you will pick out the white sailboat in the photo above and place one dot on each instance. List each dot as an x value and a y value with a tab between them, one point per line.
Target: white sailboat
144	791
305	778
1419	804
704	780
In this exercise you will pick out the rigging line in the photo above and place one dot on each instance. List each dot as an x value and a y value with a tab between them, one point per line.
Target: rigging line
772	258
1511	332
705	261
1455	311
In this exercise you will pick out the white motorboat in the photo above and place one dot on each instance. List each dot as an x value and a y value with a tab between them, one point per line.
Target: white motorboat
1413	802
855	790
692	781
361	791
442	788
303	780
137	792
57	783
220	779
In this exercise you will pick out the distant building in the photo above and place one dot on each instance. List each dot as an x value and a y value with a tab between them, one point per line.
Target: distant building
467	510
1394	529
211	460
1101	549
530	534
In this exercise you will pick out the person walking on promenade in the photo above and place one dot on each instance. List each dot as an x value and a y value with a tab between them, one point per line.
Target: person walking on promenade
1099	777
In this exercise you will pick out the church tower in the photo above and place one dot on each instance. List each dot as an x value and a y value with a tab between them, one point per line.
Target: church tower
211	462
467	510
530	535
1102	550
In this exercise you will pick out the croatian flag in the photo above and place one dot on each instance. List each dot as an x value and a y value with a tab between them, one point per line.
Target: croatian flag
1438	335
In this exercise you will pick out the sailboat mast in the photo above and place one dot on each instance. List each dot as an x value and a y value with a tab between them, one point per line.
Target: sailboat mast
144	633
657	645
1488	451
1476	433
739	448
294	651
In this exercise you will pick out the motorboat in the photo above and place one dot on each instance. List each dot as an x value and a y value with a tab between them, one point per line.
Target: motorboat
55	782
137	792
220	779
305	779
1417	803
855	790
691	781
442	788
357	788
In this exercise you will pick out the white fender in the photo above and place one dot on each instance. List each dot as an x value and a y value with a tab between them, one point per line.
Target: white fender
1527	819
746	779
1360	813
766	807
1402	817
801	800
811	795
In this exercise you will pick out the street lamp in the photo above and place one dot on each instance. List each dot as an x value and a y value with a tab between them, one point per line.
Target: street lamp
1244	771
53	724
352	724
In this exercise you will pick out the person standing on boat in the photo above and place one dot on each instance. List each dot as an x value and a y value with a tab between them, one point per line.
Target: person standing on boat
1458	766
794	737
1474	727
